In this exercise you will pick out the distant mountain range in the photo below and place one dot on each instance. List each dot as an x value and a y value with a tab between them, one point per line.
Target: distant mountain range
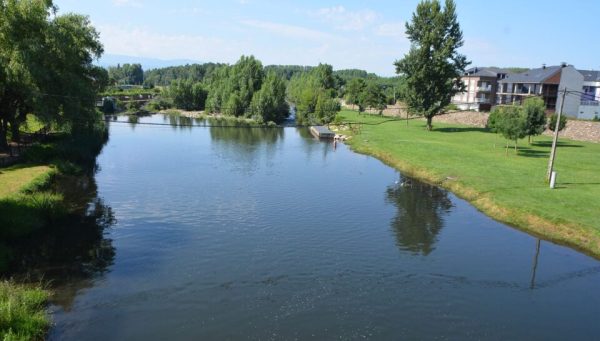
147	63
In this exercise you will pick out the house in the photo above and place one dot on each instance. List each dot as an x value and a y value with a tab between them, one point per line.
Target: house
544	82
481	84
589	107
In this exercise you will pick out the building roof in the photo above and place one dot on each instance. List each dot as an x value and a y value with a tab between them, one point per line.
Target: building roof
590	76
485	71
532	75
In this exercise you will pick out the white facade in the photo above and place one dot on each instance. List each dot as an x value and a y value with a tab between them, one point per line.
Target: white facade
570	79
590	103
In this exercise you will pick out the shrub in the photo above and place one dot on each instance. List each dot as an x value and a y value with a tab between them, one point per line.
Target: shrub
552	123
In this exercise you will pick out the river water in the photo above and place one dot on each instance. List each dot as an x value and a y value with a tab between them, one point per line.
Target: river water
222	233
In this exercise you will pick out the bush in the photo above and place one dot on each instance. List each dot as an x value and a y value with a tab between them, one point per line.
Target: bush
552	124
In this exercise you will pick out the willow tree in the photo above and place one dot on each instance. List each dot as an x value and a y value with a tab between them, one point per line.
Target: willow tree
433	66
46	66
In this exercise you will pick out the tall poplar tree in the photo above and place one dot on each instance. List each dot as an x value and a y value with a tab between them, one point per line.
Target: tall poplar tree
433	66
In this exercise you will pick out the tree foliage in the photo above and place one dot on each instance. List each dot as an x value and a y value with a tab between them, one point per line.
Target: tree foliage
510	121
126	74
552	123
165	76
372	96
353	90
269	104
535	114
187	95
313	95
433	65
46	66
232	87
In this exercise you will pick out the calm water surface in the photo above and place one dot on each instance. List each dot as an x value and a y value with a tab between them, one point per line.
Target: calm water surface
238	233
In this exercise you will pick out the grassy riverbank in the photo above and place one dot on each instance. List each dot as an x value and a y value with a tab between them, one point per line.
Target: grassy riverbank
22	308
22	312
472	163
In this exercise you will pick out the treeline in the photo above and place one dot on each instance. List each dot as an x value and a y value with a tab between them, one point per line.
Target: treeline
244	89
249	89
165	76
126	74
46	68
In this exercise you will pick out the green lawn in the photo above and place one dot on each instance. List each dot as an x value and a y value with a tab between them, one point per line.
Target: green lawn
16	178
510	188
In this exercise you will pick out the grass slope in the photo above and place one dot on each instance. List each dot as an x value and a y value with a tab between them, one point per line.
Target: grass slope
473	163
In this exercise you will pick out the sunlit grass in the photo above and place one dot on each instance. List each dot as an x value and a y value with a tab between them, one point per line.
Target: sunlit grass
510	187
22	312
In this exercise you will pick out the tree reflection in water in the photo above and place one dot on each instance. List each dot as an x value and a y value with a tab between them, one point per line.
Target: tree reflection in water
420	218
72	251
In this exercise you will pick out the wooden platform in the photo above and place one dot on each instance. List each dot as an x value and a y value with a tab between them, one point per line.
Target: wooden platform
322	132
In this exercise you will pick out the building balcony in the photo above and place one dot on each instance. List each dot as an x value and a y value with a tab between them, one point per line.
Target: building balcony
483	100
590	103
487	88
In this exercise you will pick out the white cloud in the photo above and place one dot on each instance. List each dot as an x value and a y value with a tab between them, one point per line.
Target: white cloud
188	11
342	19
290	31
394	29
143	42
127	3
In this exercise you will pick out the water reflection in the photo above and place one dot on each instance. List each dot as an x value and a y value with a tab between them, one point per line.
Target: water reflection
179	121
133	120
244	136
73	250
420	218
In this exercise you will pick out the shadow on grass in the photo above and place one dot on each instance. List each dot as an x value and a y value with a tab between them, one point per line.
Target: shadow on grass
528	152
559	144
460	129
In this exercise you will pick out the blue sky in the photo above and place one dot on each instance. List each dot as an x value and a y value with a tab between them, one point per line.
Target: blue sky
347	34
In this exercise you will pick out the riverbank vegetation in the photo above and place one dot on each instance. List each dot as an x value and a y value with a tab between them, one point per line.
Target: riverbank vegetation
23	312
48	90
510	188
264	94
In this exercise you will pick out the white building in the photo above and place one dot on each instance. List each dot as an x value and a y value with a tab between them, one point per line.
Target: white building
589	107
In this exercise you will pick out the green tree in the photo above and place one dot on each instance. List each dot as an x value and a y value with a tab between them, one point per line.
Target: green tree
269	104
47	67
353	90
313	95
552	123
535	116
512	124
433	65
372	96
187	95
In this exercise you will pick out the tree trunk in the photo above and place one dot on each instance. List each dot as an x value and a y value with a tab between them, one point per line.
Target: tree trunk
429	126
529	139
3	142
14	129
516	146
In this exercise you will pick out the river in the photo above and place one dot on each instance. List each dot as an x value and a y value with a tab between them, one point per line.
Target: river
224	233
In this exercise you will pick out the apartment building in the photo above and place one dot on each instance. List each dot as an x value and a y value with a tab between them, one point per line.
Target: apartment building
589	107
481	84
544	82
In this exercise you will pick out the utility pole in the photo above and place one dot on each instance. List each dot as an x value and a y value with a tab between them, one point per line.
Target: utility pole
555	139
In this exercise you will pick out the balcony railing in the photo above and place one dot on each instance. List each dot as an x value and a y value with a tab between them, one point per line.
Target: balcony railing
591	103
484	88
482	100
